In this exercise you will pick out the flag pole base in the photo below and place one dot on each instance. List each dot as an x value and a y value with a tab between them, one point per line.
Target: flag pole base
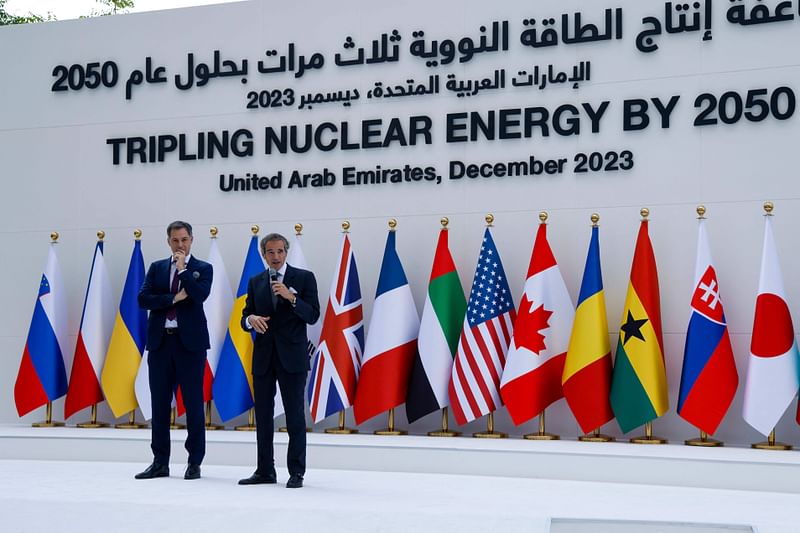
91	425
214	427
390	432
704	441
284	429
541	436
130	425
441	433
341	431
596	437
251	421
245	427
175	425
767	445
490	435
45	424
648	439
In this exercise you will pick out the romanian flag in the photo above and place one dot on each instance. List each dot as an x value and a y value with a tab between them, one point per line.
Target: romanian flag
127	341
233	382
639	383
587	369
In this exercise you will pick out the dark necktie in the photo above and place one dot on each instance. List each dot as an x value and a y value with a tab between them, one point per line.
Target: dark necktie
172	313
275	296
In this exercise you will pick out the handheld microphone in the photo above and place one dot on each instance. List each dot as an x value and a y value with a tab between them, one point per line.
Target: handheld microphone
273	274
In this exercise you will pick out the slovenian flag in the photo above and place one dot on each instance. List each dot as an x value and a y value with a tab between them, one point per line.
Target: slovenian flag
392	341
127	341
639	381
97	322
233	383
587	368
439	330
772	379
709	378
535	363
42	374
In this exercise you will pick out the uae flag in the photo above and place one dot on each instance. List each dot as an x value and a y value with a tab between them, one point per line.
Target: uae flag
439	330
535	362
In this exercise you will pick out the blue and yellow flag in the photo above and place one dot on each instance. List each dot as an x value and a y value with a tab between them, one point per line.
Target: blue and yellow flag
233	382
127	341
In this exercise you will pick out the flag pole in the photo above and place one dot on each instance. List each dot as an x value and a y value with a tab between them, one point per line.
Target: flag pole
48	420
490	433
251	421
541	434
445	431
131	423
210	426
173	420
771	444
341	429
93	423
704	441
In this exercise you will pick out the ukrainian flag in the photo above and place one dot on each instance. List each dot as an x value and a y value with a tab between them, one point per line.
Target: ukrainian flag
127	342
233	382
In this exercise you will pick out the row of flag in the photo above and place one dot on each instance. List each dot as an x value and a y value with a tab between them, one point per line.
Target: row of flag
473	354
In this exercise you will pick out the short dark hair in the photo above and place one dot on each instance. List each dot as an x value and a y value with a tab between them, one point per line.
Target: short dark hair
272	237
179	224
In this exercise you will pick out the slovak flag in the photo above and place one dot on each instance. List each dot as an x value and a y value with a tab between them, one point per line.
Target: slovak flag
42	374
97	323
535	362
772	381
337	362
709	378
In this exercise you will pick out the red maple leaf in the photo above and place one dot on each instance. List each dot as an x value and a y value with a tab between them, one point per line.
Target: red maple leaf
527	330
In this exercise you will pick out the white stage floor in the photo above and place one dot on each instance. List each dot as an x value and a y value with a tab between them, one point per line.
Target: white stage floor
90	497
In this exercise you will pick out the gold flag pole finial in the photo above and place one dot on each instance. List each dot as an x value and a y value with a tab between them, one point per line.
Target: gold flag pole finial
214	231
489	220
298	229
543	217
392	224
444	221
595	218
254	228
54	237
768	207
101	235
346	226
644	212
137	234
701	212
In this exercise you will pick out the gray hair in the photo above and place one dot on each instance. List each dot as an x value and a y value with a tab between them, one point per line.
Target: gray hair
272	237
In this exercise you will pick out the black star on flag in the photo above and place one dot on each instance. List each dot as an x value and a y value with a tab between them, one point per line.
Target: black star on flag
632	328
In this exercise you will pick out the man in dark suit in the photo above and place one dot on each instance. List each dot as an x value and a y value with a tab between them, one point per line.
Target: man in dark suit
177	339
280	302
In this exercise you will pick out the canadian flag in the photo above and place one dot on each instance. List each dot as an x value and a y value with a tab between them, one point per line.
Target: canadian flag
535	362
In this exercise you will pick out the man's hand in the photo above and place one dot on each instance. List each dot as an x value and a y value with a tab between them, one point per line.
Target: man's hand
259	323
180	260
180	296
282	290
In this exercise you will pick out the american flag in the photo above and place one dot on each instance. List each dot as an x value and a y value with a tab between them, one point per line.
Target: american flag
337	362
475	384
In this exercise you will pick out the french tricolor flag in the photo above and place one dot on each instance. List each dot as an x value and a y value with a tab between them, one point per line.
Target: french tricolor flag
42	374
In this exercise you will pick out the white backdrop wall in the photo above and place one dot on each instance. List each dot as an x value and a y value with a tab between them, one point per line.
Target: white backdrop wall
58	173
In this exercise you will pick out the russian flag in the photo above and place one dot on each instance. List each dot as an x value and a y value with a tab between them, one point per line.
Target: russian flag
42	375
391	343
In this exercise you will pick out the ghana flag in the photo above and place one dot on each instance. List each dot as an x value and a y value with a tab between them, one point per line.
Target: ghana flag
639	382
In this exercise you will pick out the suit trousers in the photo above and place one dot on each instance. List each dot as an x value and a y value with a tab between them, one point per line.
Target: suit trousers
292	386
171	365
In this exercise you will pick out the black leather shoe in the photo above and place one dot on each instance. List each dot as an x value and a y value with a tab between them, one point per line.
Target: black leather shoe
154	470
295	481
259	479
192	472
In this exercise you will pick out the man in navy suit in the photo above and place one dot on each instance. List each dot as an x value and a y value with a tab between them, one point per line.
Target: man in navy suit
280	302
177	339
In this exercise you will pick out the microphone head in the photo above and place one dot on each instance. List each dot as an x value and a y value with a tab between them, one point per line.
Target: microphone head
273	274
